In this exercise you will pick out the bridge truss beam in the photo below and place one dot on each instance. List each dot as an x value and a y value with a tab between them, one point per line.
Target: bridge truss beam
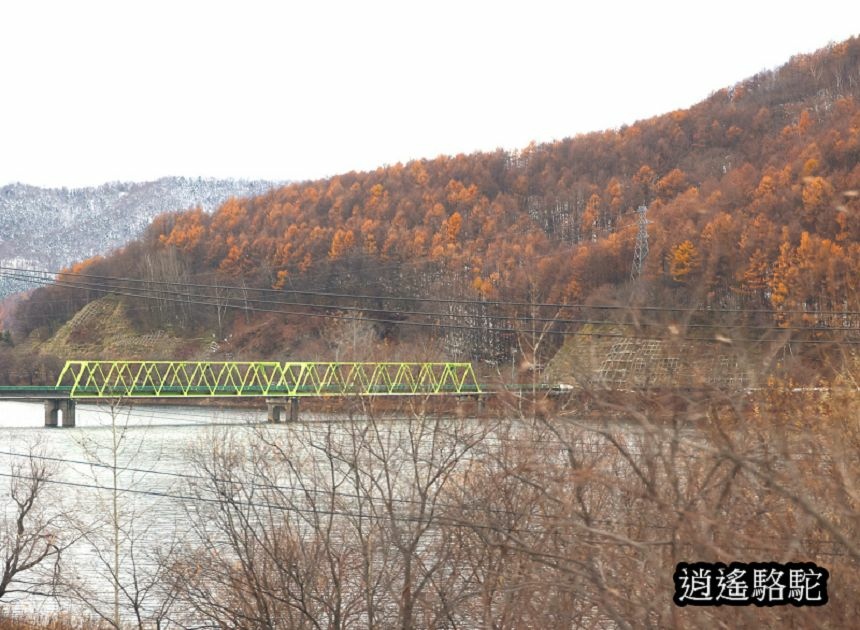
165	379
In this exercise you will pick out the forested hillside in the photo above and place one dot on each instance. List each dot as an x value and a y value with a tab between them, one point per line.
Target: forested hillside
753	199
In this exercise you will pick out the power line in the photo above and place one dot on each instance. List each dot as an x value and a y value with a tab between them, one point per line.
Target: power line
195	498
559	305
162	293
437	325
485	316
262	486
316	511
309	428
175	293
191	299
313	512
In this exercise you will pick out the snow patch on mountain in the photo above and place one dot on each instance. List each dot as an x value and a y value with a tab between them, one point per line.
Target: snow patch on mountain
50	228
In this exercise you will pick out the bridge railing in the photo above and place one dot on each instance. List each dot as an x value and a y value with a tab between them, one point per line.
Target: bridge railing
163	379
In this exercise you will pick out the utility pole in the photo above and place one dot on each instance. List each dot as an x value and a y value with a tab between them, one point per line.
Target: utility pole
640	251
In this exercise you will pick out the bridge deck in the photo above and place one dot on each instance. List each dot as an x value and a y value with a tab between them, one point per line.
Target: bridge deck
26	393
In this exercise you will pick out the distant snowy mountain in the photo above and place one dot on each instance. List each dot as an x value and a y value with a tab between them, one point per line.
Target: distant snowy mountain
49	228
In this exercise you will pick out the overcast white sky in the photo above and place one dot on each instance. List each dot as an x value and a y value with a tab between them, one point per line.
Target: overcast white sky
134	90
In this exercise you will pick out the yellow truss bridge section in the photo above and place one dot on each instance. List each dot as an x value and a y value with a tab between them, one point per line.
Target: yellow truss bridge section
166	379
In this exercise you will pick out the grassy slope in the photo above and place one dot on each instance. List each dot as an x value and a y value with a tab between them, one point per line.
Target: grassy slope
102	329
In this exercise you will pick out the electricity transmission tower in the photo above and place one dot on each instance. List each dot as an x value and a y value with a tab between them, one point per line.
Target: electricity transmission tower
640	251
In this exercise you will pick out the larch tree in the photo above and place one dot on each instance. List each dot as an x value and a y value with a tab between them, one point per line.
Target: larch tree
685	261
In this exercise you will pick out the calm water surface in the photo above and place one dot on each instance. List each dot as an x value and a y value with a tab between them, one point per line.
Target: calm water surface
152	447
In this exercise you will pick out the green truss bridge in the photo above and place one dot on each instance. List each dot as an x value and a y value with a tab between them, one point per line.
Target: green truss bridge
279	383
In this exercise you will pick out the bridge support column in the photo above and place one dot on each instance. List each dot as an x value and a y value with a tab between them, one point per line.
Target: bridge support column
53	406
273	412
68	408
276	409
476	400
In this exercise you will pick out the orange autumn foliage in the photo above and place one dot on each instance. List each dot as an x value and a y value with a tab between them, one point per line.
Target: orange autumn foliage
740	188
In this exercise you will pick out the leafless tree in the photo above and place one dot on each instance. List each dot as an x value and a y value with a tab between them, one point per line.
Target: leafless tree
32	534
132	550
585	520
565	510
330	524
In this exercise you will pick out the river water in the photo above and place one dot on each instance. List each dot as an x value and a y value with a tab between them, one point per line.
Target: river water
132	467
151	446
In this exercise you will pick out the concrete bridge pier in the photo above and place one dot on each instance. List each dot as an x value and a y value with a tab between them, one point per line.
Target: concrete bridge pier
276	409
65	406
477	399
